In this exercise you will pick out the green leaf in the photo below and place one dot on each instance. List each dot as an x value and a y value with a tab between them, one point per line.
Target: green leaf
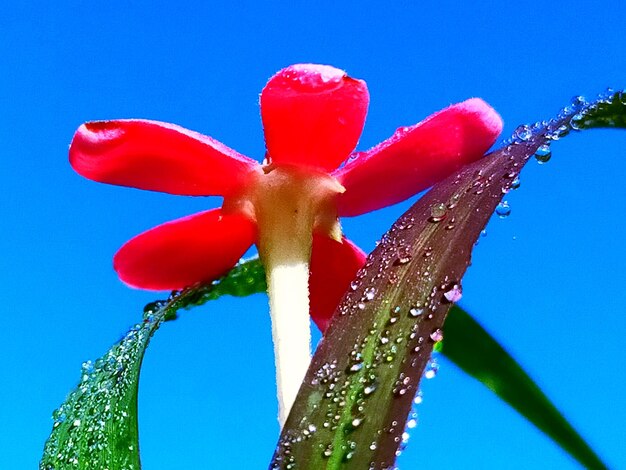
352	407
247	278
607	111
96	427
473	349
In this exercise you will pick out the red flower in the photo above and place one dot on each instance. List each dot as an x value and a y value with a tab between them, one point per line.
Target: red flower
312	117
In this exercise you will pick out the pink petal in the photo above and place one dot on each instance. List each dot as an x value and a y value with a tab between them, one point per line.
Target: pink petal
177	254
333	267
416	157
313	115
159	157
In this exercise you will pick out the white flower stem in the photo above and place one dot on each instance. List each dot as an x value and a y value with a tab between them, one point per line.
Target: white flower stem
288	292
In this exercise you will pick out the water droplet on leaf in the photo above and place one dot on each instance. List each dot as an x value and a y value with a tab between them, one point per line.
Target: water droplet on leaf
543	153
437	212
503	210
454	294
437	335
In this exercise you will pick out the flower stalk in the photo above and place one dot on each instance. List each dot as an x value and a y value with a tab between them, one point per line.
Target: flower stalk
288	206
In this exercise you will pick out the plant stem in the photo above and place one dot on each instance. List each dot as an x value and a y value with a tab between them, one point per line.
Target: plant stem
288	290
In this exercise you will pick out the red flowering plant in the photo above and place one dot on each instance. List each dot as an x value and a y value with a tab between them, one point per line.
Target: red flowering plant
382	317
289	205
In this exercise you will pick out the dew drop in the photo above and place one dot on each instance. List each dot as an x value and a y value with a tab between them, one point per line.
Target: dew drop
559	132
543	153
577	122
523	133
370	292
437	212
503	210
356	367
87	367
454	294
431	369
416	311
437	335
369	389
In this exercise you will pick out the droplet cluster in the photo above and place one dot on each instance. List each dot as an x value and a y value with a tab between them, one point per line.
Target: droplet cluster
96	427
401	295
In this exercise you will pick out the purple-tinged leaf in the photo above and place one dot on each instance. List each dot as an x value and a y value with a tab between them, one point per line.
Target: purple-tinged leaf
353	404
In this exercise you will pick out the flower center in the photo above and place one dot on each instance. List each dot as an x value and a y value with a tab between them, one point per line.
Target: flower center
292	201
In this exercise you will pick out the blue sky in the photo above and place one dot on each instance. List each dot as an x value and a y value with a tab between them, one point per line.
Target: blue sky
547	281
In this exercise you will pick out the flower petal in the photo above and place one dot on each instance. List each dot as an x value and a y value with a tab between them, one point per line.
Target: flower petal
159	157
313	115
333	267
177	254
416	157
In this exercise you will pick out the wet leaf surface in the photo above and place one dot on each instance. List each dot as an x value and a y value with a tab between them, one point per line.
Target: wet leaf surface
353	404
96	427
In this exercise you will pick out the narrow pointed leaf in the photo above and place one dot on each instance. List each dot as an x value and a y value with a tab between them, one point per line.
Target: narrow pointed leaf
96	427
607	111
353	404
471	348
468	345
478	354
